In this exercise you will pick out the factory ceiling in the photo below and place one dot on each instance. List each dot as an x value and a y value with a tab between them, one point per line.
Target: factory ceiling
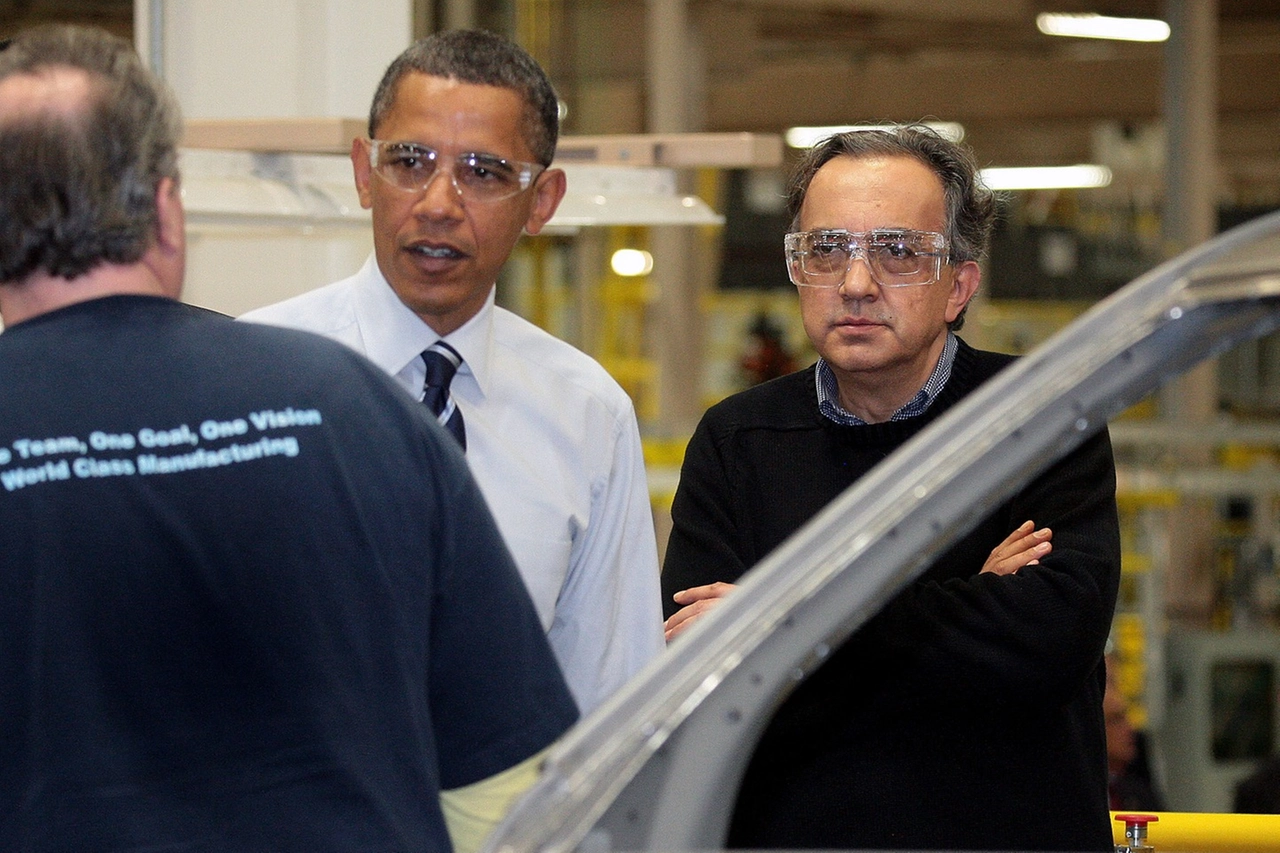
766	65
1023	97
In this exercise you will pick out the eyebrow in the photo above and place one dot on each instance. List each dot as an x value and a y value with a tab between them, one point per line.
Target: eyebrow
876	229
474	152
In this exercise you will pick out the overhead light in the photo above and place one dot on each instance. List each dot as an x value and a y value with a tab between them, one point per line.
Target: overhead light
246	190
627	195
1094	26
1046	177
631	262
807	137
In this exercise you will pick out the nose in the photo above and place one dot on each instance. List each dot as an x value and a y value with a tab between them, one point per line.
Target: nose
858	282
440	198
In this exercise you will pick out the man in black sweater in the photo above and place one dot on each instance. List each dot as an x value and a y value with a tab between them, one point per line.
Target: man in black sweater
968	713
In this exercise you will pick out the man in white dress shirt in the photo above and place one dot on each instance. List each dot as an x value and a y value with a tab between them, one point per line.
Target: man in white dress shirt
461	132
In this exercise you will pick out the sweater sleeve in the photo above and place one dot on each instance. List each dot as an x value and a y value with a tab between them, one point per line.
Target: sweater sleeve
706	544
1036	634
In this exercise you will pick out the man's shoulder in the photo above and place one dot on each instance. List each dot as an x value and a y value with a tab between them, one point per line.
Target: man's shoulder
305	370
326	310
540	352
193	344
975	366
989	359
787	402
306	351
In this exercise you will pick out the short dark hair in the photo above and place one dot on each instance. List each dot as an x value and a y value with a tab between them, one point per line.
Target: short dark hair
78	186
970	207
480	58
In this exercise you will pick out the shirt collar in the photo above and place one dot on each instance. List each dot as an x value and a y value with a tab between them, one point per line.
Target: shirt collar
395	336
474	342
829	395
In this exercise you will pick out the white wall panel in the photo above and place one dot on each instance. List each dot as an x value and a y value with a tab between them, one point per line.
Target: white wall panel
283	58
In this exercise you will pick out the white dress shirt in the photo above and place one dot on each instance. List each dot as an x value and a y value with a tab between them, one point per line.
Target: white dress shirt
553	442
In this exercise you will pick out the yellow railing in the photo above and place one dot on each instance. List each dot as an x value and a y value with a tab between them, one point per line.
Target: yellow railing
1194	832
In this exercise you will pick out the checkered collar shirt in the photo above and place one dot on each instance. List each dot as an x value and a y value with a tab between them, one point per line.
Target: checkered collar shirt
829	396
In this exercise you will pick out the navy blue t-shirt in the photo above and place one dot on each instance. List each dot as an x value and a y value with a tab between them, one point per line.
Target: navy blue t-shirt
250	597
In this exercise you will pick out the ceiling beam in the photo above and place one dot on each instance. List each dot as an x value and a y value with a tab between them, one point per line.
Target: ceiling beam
1016	88
972	11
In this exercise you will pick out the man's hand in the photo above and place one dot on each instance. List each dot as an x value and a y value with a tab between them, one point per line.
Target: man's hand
696	600
1023	547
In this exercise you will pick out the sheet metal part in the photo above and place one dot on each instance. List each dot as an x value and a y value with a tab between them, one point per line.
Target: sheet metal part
658	766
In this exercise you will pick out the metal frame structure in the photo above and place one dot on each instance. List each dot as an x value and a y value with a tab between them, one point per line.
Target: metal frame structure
658	766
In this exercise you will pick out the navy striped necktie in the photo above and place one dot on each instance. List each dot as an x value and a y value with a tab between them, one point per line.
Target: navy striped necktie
442	362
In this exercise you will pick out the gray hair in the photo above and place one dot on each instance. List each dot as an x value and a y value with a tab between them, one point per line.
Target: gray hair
970	207
485	59
78	186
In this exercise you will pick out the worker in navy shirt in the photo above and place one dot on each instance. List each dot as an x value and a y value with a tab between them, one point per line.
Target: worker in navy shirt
250	596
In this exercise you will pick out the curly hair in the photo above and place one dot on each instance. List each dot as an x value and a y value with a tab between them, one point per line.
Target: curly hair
485	59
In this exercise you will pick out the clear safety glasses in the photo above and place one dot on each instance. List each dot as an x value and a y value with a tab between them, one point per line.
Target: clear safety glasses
895	257
480	178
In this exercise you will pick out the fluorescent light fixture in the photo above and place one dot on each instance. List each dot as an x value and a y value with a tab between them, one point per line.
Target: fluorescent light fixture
244	190
631	262
626	195
807	137
1094	26
1047	177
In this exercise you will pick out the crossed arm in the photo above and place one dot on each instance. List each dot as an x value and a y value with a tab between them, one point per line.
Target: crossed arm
1023	547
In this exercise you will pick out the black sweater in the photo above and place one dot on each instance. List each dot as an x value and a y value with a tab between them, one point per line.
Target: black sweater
967	714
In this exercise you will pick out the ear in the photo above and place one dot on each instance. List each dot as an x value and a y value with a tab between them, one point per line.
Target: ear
171	234
547	193
965	279
363	171
169	254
